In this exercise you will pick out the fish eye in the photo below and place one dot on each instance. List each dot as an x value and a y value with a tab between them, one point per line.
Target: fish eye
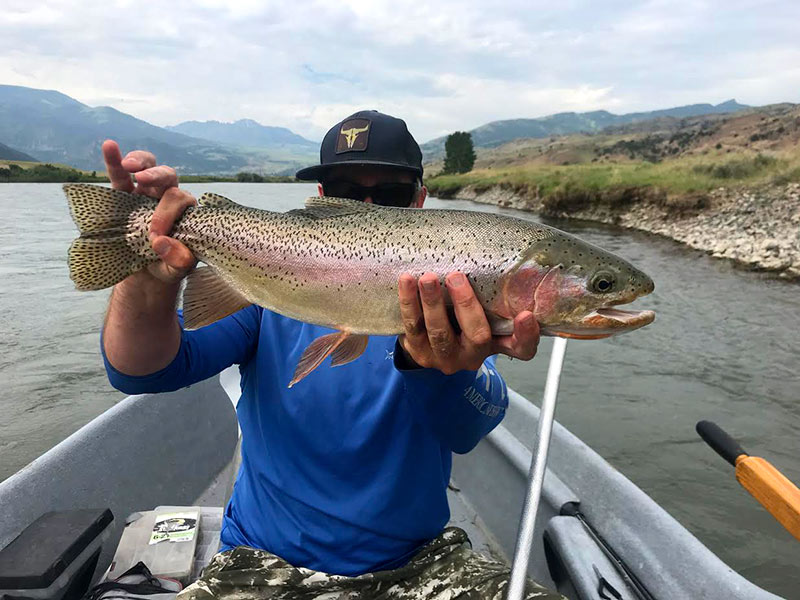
602	282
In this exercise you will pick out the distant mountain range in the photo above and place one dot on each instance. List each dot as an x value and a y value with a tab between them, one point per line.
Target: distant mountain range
53	127
7	153
245	133
497	133
56	128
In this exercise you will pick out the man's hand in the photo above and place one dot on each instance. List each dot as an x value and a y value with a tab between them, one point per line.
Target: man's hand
161	183
430	340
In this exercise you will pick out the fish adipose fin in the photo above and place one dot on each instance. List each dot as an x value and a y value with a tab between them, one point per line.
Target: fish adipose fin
209	200
106	251
342	347
208	298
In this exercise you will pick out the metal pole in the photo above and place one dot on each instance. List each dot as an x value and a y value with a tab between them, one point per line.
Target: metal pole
522	554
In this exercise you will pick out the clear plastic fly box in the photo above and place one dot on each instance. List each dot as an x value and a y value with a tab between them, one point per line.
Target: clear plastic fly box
163	539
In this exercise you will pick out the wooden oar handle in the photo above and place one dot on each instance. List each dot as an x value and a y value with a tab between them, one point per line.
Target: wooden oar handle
722	443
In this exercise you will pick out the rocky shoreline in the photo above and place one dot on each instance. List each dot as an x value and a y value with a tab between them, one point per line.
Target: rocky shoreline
757	228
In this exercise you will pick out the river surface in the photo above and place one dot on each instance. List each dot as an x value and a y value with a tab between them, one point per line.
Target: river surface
725	346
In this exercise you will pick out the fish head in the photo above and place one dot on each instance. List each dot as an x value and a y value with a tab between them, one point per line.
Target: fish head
572	286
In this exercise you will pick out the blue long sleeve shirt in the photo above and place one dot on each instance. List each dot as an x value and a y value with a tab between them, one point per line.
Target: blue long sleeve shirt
347	471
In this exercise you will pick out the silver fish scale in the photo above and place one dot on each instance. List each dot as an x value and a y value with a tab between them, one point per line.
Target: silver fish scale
340	267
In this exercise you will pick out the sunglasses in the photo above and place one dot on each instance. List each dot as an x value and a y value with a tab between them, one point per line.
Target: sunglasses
400	195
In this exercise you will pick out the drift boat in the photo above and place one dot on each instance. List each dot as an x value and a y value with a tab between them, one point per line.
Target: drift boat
597	535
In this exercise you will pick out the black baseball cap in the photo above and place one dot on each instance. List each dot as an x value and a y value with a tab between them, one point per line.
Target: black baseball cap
366	138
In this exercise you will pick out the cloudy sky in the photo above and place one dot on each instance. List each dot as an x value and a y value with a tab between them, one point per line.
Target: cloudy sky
441	66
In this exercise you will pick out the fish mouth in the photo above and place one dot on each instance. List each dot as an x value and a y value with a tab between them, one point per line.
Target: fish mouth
604	322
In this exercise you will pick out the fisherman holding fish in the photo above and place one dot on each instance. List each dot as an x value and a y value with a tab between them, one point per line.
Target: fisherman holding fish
342	487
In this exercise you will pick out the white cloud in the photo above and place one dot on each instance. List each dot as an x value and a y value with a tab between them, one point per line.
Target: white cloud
441	66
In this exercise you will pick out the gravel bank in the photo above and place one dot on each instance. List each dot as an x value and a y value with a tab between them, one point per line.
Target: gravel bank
757	228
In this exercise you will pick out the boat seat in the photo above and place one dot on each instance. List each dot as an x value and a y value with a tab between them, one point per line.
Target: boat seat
144	451
462	515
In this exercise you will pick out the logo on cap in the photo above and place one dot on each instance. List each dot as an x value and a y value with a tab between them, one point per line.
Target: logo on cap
353	136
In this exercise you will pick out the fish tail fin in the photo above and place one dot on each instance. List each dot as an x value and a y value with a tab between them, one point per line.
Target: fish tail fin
108	250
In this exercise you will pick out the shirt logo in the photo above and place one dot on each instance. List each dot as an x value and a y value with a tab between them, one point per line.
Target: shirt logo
353	136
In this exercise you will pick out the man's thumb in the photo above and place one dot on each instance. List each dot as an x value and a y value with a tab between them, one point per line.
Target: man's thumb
162	246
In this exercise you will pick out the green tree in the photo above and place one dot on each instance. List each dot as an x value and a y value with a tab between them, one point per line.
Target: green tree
248	177
459	153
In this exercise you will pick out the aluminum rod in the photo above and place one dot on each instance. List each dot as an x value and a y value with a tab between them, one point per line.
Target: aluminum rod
522	554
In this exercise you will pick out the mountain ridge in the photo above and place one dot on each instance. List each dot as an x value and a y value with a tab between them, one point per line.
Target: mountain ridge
57	128
496	133
9	153
243	132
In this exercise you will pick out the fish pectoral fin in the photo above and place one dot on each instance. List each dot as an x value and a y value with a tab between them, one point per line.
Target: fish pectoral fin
208	298
210	200
317	351
349	350
499	325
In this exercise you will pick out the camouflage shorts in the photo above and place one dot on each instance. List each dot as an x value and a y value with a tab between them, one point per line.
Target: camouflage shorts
445	569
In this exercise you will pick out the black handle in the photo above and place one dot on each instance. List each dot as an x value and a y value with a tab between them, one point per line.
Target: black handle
723	444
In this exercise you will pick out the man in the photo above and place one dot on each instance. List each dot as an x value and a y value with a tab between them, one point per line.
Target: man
342	487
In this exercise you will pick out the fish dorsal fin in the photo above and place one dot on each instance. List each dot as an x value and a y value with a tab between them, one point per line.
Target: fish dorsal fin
210	200
339	204
321	207
208	298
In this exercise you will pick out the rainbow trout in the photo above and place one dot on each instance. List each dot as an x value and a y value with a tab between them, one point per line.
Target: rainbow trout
337	262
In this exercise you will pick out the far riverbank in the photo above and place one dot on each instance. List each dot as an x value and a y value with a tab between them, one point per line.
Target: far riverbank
31	172
757	227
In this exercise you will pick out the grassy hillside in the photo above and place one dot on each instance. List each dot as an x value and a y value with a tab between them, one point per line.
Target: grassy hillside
681	176
672	157
36	172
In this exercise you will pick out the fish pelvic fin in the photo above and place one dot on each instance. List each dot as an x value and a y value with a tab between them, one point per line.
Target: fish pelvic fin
208	298
342	346
349	350
108	249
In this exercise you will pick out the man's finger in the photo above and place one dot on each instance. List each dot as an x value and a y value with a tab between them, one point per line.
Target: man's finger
139	160
172	205
120	178
440	333
524	342
416	338
155	181
174	253
471	318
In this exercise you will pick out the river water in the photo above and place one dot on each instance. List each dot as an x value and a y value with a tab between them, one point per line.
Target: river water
725	346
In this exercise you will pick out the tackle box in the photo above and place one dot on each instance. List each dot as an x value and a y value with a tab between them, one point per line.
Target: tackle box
173	541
